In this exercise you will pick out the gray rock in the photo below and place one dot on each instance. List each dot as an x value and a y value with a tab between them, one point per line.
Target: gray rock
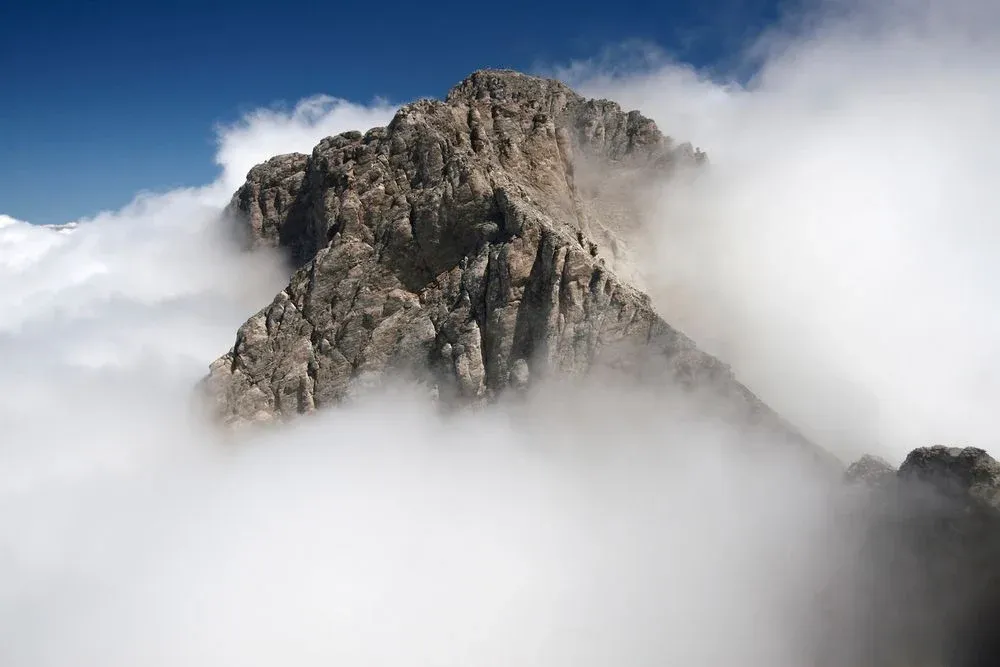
269	200
476	244
925	585
968	474
869	470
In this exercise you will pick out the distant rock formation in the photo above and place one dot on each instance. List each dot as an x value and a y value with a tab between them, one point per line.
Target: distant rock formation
925	587
476	244
869	469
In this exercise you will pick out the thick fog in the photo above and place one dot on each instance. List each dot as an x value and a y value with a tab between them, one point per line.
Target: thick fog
838	252
841	250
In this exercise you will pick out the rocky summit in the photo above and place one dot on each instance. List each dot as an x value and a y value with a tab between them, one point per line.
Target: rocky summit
477	245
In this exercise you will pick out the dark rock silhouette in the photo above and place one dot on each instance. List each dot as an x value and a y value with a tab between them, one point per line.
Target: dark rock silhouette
924	588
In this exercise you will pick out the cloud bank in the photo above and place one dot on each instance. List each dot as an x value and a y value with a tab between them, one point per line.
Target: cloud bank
841	250
838	253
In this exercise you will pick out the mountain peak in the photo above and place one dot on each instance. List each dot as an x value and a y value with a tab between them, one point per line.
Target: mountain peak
478	245
507	85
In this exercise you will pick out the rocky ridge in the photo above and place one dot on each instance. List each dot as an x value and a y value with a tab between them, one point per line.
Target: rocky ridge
477	244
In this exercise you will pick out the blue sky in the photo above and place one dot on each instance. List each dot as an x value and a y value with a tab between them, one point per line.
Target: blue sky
103	98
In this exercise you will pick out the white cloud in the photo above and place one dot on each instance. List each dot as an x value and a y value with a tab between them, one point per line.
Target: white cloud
841	251
382	538
264	133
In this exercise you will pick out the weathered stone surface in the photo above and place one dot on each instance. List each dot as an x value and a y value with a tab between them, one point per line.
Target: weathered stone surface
476	244
268	200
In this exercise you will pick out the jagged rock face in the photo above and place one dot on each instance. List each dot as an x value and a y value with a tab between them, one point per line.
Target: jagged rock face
925	588
476	244
270	198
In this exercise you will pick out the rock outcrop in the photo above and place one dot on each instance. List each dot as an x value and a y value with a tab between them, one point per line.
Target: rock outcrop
925	585
869	470
476	244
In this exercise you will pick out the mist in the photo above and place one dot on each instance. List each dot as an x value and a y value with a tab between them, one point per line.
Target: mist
380	537
838	252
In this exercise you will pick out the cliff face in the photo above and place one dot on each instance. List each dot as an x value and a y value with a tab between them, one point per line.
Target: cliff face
476	244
